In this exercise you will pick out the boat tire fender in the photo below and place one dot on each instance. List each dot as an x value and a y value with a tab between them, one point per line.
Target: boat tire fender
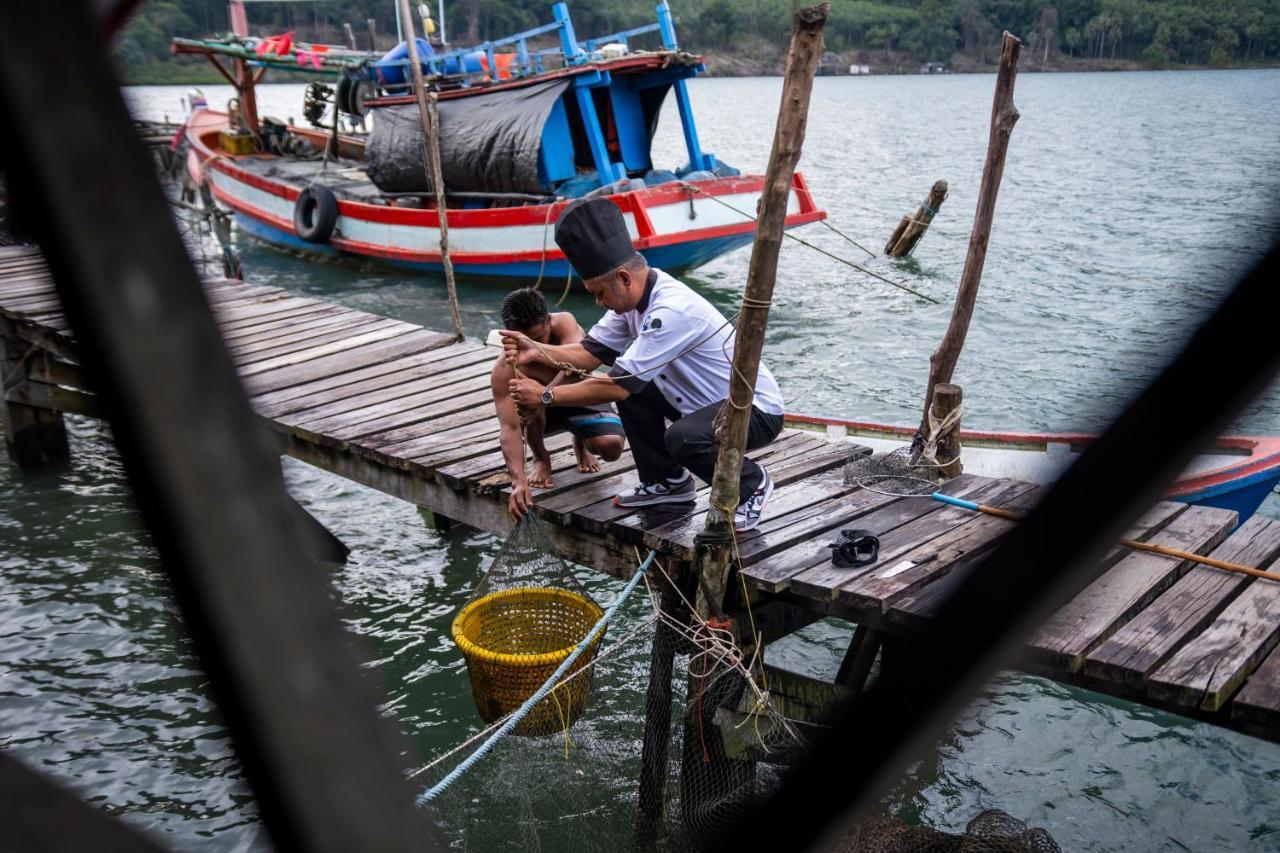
315	213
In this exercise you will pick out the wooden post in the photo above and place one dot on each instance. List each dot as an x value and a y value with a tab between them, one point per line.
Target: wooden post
912	227
947	399
431	155
33	435
711	559
1004	115
657	729
351	35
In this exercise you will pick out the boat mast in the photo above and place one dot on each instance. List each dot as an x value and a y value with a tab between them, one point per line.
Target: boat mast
244	80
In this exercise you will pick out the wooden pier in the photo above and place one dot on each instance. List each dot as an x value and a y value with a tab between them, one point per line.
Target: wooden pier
408	412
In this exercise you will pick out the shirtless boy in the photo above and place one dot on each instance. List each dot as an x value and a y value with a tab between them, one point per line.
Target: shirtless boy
597	430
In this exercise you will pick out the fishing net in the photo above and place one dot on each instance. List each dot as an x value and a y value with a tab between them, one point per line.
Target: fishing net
991	831
733	727
893	473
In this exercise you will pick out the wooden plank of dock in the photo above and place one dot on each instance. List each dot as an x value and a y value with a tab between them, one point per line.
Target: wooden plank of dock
403	410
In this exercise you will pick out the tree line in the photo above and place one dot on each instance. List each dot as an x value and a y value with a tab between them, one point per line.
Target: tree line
1155	33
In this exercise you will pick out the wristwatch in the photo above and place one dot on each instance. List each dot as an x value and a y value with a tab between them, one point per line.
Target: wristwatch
548	399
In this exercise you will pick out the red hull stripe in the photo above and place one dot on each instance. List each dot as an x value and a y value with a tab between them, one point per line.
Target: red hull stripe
1261	453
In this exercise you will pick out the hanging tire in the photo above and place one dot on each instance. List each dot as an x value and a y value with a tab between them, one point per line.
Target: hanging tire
315	213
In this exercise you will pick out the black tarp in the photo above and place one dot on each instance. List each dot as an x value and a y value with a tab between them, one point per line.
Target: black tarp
489	143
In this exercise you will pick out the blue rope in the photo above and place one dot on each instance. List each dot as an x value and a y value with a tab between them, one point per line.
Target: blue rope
542	691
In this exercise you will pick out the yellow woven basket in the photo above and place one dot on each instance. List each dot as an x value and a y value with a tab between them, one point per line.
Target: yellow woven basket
514	639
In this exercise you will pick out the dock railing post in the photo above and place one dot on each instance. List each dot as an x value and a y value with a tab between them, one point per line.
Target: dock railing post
1004	115
711	559
431	156
713	544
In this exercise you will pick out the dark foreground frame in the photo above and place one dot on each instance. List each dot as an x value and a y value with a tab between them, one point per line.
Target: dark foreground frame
325	769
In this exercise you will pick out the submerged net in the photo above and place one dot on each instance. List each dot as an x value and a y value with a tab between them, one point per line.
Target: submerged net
734	727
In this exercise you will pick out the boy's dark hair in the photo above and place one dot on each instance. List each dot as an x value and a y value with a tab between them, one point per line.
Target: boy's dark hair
523	309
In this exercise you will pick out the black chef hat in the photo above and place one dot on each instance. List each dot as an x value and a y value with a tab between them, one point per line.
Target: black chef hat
593	236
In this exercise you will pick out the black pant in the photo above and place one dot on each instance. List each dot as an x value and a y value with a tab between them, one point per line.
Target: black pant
663	454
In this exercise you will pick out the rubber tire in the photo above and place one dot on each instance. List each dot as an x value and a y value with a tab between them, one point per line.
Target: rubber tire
315	214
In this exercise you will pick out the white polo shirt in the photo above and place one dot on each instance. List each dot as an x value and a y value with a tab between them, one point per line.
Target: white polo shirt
677	340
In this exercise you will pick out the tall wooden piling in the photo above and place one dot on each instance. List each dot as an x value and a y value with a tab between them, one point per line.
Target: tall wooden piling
711	560
1004	115
912	227
430	116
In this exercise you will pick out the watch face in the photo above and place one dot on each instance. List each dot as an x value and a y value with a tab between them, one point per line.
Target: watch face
547	399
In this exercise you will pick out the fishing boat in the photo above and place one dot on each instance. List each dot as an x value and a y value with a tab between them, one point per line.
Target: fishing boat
524	130
1236	473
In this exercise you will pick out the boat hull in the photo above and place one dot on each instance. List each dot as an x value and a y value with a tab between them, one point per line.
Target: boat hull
1236	473
677	226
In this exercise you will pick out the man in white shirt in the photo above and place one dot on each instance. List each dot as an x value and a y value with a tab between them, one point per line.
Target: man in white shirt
671	354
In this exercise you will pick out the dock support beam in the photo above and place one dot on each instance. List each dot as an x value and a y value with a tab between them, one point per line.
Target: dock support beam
34	436
657	729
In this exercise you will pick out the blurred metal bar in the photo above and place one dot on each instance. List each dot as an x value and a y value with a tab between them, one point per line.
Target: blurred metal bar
41	816
325	767
1042	562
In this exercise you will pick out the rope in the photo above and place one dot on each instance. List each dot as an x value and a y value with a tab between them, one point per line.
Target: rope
928	456
847	237
521	712
822	251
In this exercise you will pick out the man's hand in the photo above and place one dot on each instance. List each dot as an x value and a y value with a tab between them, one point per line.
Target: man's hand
519	350
520	501
525	392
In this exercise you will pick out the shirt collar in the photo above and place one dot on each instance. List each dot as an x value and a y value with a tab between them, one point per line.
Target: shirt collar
643	304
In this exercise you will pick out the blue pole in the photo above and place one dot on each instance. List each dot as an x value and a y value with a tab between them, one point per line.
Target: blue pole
541	692
568	40
667	27
954	501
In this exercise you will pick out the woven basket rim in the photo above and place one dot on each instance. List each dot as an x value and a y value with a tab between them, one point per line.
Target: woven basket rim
471	650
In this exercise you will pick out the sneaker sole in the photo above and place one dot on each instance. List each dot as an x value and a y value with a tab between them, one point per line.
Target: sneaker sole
681	498
768	493
684	496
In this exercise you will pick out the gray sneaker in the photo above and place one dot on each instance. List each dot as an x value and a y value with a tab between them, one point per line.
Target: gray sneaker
748	513
681	491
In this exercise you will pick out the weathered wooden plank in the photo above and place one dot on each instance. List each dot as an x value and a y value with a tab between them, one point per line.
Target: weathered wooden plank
605	516
268	307
1096	613
921	605
617	481
385	425
20	287
295	397
899	573
415	383
677	538
343	346
383	351
809	564
1186	608
252	353
1211	666
235	334
427	434
462	475
229	325
1257	705
291	328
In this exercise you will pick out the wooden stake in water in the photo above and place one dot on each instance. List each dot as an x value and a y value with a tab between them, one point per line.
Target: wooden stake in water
912	227
1004	115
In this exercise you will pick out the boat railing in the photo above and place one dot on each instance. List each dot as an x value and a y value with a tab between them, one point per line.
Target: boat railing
571	51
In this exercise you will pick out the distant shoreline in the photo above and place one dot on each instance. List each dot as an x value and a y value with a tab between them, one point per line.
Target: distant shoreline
718	65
